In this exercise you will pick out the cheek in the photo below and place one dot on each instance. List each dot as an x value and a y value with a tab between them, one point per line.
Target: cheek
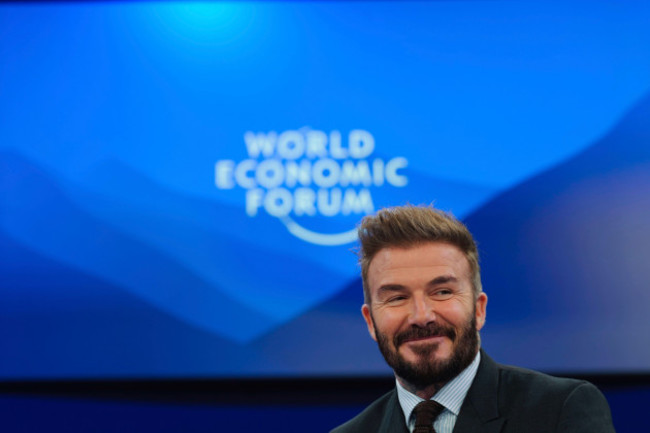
388	324
456	314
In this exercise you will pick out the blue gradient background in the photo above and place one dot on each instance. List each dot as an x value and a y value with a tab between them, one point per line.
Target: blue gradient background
120	258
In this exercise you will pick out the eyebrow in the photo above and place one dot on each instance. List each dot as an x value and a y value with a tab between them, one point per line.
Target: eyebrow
387	288
443	279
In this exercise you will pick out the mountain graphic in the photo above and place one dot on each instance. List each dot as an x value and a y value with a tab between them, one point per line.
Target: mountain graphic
75	320
62	230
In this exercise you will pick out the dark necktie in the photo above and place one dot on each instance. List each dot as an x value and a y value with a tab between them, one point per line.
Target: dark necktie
425	413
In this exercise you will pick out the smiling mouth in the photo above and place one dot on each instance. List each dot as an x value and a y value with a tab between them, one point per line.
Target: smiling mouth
427	339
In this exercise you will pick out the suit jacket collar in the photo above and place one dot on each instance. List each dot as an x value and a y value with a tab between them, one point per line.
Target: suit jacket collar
480	410
393	421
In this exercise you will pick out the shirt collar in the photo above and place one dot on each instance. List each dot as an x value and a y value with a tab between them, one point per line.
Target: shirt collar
451	396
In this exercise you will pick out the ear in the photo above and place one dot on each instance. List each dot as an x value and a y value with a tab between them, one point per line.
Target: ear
481	305
365	311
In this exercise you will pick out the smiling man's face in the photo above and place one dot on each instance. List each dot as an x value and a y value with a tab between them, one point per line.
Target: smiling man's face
423	312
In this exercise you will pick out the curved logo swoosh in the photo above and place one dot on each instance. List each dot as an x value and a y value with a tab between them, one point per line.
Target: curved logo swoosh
318	238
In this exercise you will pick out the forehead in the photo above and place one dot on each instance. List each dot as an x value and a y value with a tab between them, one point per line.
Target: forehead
417	264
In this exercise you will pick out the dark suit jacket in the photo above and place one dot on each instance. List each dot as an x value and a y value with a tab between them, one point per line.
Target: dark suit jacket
505	399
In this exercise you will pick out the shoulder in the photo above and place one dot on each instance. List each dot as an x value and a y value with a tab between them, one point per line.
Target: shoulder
371	417
513	383
534	381
566	404
536	385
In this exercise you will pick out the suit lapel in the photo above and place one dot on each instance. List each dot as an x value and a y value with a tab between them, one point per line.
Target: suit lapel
480	410
393	420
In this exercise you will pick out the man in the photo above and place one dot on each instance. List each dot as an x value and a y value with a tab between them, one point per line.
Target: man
424	306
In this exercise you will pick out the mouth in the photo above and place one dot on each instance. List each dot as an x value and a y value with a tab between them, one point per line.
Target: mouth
426	339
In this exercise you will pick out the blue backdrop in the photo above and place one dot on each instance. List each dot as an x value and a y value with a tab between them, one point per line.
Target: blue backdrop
180	182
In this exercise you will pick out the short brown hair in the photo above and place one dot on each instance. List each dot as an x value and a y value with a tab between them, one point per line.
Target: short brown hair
407	226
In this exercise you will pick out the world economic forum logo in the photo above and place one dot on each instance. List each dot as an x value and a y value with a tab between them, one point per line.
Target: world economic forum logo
302	174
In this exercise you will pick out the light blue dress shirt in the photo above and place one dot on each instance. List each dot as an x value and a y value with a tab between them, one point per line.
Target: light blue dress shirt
451	396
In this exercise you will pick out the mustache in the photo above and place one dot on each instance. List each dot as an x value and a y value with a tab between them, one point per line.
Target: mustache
418	332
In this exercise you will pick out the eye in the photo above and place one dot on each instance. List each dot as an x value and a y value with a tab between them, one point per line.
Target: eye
442	294
395	299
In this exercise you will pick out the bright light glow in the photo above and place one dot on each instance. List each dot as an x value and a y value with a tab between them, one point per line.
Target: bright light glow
206	22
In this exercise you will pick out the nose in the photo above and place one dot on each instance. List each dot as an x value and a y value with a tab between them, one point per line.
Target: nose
422	311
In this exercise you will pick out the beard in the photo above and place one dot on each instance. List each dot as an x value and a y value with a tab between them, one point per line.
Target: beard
426	371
